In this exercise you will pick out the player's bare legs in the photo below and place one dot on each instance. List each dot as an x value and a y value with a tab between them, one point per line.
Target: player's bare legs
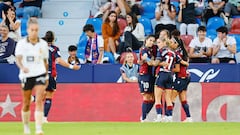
168	98
38	114
25	113
158	104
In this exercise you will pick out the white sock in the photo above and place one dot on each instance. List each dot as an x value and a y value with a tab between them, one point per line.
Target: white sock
38	120
25	117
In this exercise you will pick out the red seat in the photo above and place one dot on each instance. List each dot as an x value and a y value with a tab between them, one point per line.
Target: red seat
123	57
122	23
235	26
187	39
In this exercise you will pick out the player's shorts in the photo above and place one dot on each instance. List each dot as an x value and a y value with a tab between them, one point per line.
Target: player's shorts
181	84
52	84
146	83
164	80
29	83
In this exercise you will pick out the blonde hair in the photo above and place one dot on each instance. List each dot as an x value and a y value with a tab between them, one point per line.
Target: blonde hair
32	21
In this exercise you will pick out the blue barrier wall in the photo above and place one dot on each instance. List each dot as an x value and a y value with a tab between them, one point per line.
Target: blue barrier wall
110	73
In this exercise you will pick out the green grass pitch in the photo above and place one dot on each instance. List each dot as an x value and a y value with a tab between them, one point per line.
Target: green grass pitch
126	128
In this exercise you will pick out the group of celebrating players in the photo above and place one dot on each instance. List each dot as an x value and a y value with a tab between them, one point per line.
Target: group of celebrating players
163	75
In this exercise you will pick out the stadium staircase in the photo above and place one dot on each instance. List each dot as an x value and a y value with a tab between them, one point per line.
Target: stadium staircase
66	19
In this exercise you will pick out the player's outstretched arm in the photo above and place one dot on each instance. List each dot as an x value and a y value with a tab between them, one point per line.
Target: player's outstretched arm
67	65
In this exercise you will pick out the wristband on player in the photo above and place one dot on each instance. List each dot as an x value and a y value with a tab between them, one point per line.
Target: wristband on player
70	66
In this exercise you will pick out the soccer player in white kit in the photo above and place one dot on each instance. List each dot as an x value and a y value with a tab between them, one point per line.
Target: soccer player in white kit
32	60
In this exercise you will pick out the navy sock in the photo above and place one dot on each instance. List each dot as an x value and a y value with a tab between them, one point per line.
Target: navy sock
169	110
47	106
165	109
144	109
158	108
149	106
186	108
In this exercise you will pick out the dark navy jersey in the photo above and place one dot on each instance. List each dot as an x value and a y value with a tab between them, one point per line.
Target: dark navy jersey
145	68
54	53
167	55
183	68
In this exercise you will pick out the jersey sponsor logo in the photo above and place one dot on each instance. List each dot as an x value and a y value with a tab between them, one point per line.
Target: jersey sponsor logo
30	58
205	76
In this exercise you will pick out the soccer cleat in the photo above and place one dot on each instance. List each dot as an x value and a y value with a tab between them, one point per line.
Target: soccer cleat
26	130
39	132
168	119
159	118
45	120
188	119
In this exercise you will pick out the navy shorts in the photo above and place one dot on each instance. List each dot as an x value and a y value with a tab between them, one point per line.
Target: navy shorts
29	83
146	83
164	80
181	84
52	84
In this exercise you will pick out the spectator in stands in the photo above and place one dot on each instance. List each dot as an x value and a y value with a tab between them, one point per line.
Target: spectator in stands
200	47
103	6
165	15
32	8
14	25
232	8
95	46
215	8
7	46
111	34
186	17
224	47
73	59
200	8
133	33
136	7
129	70
5	5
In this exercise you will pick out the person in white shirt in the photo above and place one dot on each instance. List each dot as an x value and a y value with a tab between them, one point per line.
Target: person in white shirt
224	47
165	15
95	46
32	60
200	47
133	32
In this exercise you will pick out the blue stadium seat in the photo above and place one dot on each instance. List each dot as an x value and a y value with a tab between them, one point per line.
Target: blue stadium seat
81	46
215	22
156	1
97	24
24	26
237	38
212	34
148	9
176	4
147	25
110	57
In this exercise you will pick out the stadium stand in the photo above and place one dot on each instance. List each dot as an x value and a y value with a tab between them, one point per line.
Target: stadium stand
122	24
148	9
147	25
186	39
235	26
97	24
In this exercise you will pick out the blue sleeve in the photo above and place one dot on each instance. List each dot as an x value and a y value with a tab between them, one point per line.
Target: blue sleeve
57	54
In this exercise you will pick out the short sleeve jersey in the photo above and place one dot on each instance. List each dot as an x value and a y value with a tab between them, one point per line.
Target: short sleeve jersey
32	57
54	53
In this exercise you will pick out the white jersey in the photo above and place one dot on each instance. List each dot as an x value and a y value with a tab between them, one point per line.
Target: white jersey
32	57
